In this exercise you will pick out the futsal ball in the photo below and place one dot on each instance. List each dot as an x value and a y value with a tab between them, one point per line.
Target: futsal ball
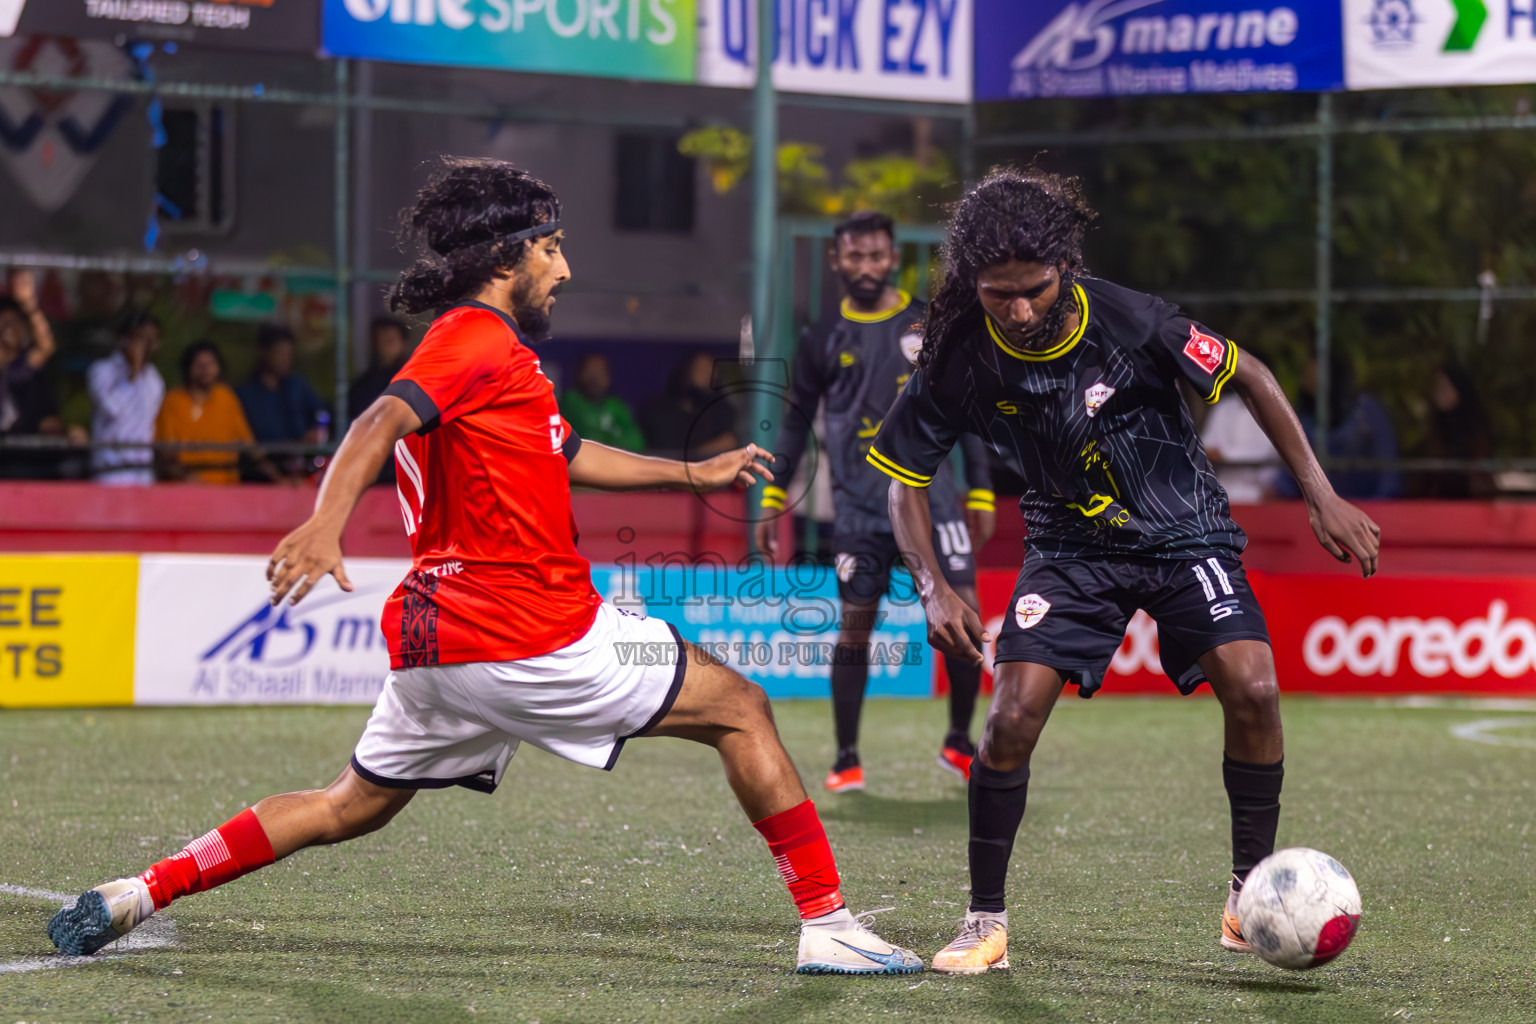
1299	908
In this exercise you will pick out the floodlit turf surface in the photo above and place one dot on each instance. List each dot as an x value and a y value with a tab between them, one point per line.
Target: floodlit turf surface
573	895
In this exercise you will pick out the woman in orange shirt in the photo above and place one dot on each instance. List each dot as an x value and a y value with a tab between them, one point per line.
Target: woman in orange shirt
203	410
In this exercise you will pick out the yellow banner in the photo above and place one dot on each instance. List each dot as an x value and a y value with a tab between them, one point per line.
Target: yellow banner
66	629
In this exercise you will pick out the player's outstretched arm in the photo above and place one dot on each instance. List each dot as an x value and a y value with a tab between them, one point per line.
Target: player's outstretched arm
1341	528
953	628
611	469
314	549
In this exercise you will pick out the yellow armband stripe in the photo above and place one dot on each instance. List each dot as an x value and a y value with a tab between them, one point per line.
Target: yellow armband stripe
891	469
981	500
1229	367
774	497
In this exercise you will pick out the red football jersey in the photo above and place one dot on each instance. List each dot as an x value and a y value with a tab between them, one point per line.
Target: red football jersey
486	497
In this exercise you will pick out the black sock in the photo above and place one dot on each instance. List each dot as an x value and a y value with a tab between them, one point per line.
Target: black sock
1254	791
997	807
964	684
850	672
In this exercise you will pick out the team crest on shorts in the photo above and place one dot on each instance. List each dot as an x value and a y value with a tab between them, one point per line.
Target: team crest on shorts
1204	351
911	345
1029	610
845	565
1096	396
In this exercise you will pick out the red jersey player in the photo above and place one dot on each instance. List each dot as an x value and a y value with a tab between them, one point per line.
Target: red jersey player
496	636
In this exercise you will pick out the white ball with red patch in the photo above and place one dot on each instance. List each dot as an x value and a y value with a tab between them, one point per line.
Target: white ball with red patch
1299	908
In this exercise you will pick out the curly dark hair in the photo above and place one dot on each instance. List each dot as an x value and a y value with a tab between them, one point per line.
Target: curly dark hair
460	221
1029	215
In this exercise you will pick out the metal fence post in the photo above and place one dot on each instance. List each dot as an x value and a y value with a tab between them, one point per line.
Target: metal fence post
343	255
1324	284
765	204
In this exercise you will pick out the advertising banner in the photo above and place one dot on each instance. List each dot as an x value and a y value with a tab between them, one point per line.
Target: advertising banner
207	634
776	627
276	25
649	39
1392	44
1344	635
66	630
1075	48
889	49
49	141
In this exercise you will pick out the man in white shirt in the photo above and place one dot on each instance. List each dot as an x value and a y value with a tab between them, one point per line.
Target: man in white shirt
1231	435
126	391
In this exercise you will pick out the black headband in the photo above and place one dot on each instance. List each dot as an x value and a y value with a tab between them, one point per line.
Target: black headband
549	227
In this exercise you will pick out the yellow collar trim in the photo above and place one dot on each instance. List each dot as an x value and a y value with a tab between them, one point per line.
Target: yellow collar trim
1061	348
849	313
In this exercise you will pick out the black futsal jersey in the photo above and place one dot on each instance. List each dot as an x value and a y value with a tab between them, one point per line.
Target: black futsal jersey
858	362
1096	427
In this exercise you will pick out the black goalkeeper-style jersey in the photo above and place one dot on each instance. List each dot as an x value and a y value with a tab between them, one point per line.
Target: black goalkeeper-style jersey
1096	426
858	362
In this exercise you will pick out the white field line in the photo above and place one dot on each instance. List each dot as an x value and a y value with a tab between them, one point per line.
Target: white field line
1486	731
156	933
1426	702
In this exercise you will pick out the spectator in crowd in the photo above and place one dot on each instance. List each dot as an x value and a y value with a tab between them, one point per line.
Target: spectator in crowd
595	414
690	420
126	391
389	345
204	410
1245	462
28	403
280	406
1359	427
1458	429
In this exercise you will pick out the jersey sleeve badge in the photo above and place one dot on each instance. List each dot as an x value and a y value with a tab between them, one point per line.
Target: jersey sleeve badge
1205	351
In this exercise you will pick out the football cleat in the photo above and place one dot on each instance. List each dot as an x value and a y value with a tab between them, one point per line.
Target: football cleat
956	755
982	945
100	916
853	949
1231	933
845	781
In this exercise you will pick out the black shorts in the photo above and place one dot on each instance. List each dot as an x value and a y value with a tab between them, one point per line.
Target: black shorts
1070	613
864	561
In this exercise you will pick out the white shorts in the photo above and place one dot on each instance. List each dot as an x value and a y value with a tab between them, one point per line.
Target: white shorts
458	725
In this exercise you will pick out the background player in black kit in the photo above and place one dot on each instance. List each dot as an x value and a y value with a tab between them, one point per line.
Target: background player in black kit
857	360
1074	383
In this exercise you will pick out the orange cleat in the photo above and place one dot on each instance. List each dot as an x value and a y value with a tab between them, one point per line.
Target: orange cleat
1231	933
845	781
956	756
981	946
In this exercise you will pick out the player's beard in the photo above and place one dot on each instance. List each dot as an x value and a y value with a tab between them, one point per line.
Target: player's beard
1047	331
864	290
531	317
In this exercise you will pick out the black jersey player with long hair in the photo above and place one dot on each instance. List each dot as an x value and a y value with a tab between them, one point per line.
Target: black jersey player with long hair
854	363
1074	383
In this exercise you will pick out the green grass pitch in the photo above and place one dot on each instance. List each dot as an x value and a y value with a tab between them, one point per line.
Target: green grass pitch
573	895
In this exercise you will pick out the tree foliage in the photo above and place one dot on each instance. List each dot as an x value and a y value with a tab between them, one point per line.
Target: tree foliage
894	183
1419	210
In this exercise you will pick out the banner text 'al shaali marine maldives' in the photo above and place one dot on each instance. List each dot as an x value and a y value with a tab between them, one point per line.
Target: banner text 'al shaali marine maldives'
1053	48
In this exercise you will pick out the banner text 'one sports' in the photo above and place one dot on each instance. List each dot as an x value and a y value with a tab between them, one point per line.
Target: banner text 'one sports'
647	39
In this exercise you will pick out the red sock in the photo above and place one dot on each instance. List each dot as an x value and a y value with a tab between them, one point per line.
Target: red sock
235	848
799	846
